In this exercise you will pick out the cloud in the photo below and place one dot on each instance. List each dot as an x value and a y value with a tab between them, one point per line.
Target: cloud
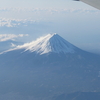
48	10
14	22
5	37
13	45
10	16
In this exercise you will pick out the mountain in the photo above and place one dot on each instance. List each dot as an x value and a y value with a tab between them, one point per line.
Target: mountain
8	44
46	69
49	43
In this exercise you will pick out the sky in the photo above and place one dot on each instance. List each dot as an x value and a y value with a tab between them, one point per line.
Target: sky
38	3
26	20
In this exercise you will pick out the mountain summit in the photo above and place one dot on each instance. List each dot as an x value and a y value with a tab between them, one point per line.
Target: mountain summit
47	44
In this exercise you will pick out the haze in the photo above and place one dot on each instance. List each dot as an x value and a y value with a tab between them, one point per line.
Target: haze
77	22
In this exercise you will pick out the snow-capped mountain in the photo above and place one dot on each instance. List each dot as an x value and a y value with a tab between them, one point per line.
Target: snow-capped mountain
50	43
47	68
47	44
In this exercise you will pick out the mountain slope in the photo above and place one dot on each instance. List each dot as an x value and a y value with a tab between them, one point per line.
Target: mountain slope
48	67
5	45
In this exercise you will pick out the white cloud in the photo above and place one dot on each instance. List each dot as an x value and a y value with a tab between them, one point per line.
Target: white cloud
13	45
5	37
55	10
47	10
31	15
15	22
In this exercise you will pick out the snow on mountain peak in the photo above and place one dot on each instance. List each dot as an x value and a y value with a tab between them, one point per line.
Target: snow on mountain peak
49	43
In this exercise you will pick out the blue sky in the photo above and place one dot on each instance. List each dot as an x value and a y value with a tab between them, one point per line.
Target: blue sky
77	22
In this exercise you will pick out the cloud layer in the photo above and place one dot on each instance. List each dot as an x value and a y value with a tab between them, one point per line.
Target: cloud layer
52	10
5	37
10	22
10	16
41	13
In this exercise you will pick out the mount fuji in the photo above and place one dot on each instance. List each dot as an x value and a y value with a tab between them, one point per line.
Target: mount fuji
48	69
47	44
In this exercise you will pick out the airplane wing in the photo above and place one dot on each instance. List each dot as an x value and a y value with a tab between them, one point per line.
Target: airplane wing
94	3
